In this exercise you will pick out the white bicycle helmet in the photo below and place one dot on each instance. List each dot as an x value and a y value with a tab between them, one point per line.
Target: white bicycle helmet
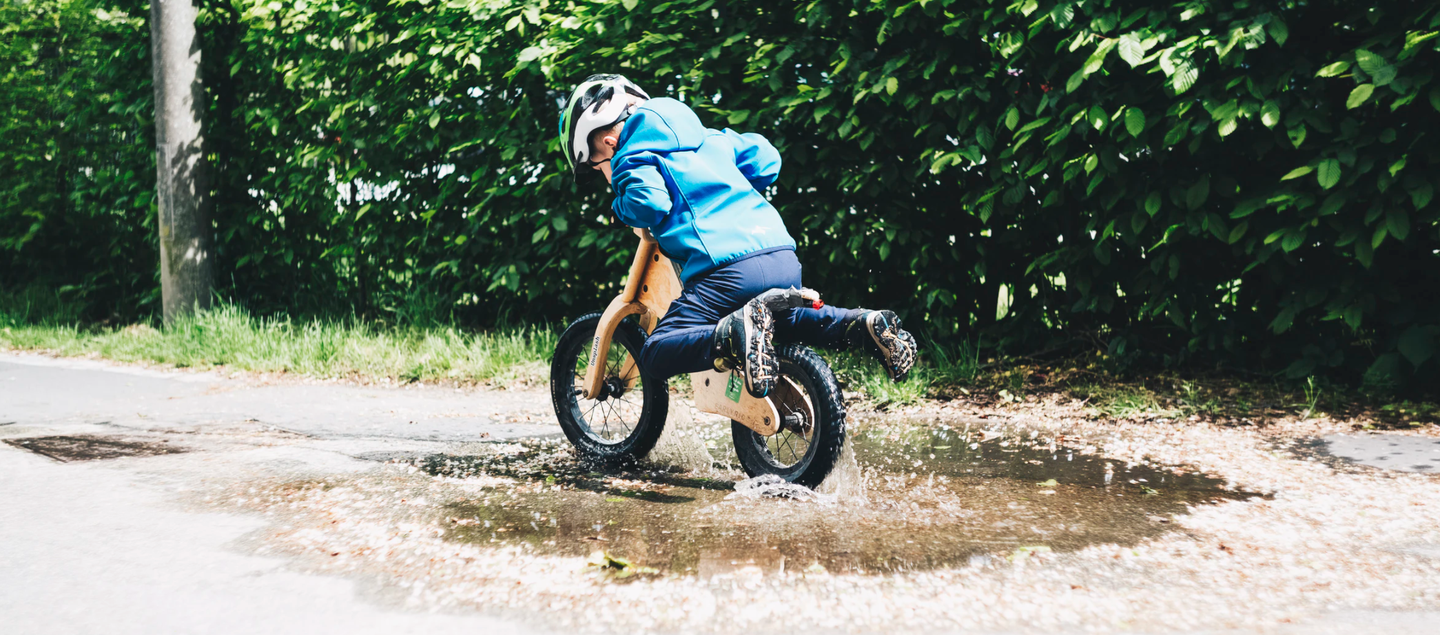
593	106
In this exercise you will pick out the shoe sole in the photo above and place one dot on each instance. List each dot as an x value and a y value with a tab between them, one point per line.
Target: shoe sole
899	357
762	367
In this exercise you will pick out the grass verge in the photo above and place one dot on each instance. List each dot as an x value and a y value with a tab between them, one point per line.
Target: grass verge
230	337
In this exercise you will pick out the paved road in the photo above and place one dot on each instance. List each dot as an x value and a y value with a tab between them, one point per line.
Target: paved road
109	546
112	546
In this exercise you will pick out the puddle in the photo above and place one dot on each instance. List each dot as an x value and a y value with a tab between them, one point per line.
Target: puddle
69	449
932	498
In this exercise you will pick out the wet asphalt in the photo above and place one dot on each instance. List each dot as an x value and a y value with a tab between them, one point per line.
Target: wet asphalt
113	542
103	528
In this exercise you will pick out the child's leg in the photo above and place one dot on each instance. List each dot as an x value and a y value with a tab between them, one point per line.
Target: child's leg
829	326
824	327
683	341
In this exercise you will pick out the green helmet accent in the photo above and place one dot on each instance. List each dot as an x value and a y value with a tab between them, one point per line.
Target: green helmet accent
593	106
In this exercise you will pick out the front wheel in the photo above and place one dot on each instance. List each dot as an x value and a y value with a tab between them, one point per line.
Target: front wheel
802	451
624	421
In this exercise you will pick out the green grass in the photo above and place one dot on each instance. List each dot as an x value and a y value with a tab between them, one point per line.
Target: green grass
1122	401
937	368
230	337
426	351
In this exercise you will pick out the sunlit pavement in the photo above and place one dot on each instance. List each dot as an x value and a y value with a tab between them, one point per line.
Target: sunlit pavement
114	546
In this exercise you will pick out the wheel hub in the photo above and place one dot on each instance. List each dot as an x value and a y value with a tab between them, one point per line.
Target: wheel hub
612	387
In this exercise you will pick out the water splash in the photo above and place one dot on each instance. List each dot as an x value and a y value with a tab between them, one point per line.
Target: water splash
772	486
681	445
846	482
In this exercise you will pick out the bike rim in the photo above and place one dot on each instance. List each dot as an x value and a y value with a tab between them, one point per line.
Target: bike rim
612	419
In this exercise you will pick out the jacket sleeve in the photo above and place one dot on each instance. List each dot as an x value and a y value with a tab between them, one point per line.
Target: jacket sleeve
757	159
641	198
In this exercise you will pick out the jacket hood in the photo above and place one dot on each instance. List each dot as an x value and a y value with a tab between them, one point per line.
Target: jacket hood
661	125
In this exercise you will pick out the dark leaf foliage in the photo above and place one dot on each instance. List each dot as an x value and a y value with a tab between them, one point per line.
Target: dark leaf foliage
1232	182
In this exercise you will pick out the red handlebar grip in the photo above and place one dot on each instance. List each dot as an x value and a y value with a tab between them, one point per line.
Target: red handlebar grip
817	304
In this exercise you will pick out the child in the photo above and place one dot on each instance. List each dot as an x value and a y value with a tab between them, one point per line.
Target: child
697	191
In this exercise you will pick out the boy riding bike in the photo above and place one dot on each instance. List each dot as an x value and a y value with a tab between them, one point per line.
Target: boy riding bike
697	190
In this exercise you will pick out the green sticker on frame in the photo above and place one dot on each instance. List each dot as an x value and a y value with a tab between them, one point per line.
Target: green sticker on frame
733	387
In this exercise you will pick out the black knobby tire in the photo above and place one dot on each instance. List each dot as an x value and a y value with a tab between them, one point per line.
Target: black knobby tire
587	423
779	454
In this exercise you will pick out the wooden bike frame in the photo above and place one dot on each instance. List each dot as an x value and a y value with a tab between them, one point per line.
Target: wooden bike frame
649	289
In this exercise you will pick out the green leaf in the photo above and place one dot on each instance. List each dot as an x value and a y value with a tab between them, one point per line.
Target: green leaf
1138	222
1152	203
1334	69
1297	135
1380	233
1270	113
629	4
1131	50
1435	98
1033	125
1278	31
1416	344
1369	62
1073	84
1364	253
1329	173
1238	232
1247	207
1282	321
1185	76
1397	166
1227	126
942	161
1293	239
1176	134
1012	118
1359	95
1134	121
1297	173
738	117
1333	203
1384	76
892	85
1195	196
1421	195
1097	117
1097	59
1398	222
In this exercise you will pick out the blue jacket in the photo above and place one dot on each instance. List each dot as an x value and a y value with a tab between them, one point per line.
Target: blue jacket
697	190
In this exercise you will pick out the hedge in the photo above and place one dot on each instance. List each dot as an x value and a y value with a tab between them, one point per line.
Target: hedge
1236	183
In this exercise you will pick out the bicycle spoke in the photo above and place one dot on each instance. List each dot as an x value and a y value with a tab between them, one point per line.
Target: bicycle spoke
614	418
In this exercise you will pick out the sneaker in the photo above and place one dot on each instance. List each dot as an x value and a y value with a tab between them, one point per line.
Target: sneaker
743	341
879	332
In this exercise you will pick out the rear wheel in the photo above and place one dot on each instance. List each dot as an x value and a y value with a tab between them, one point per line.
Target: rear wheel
802	451
623	422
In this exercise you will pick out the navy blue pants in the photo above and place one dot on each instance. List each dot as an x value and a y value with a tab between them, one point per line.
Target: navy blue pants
682	340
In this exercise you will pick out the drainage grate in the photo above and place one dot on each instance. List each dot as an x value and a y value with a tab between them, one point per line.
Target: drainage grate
93	448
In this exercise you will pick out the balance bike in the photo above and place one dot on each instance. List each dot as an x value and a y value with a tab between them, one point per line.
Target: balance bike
613	412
